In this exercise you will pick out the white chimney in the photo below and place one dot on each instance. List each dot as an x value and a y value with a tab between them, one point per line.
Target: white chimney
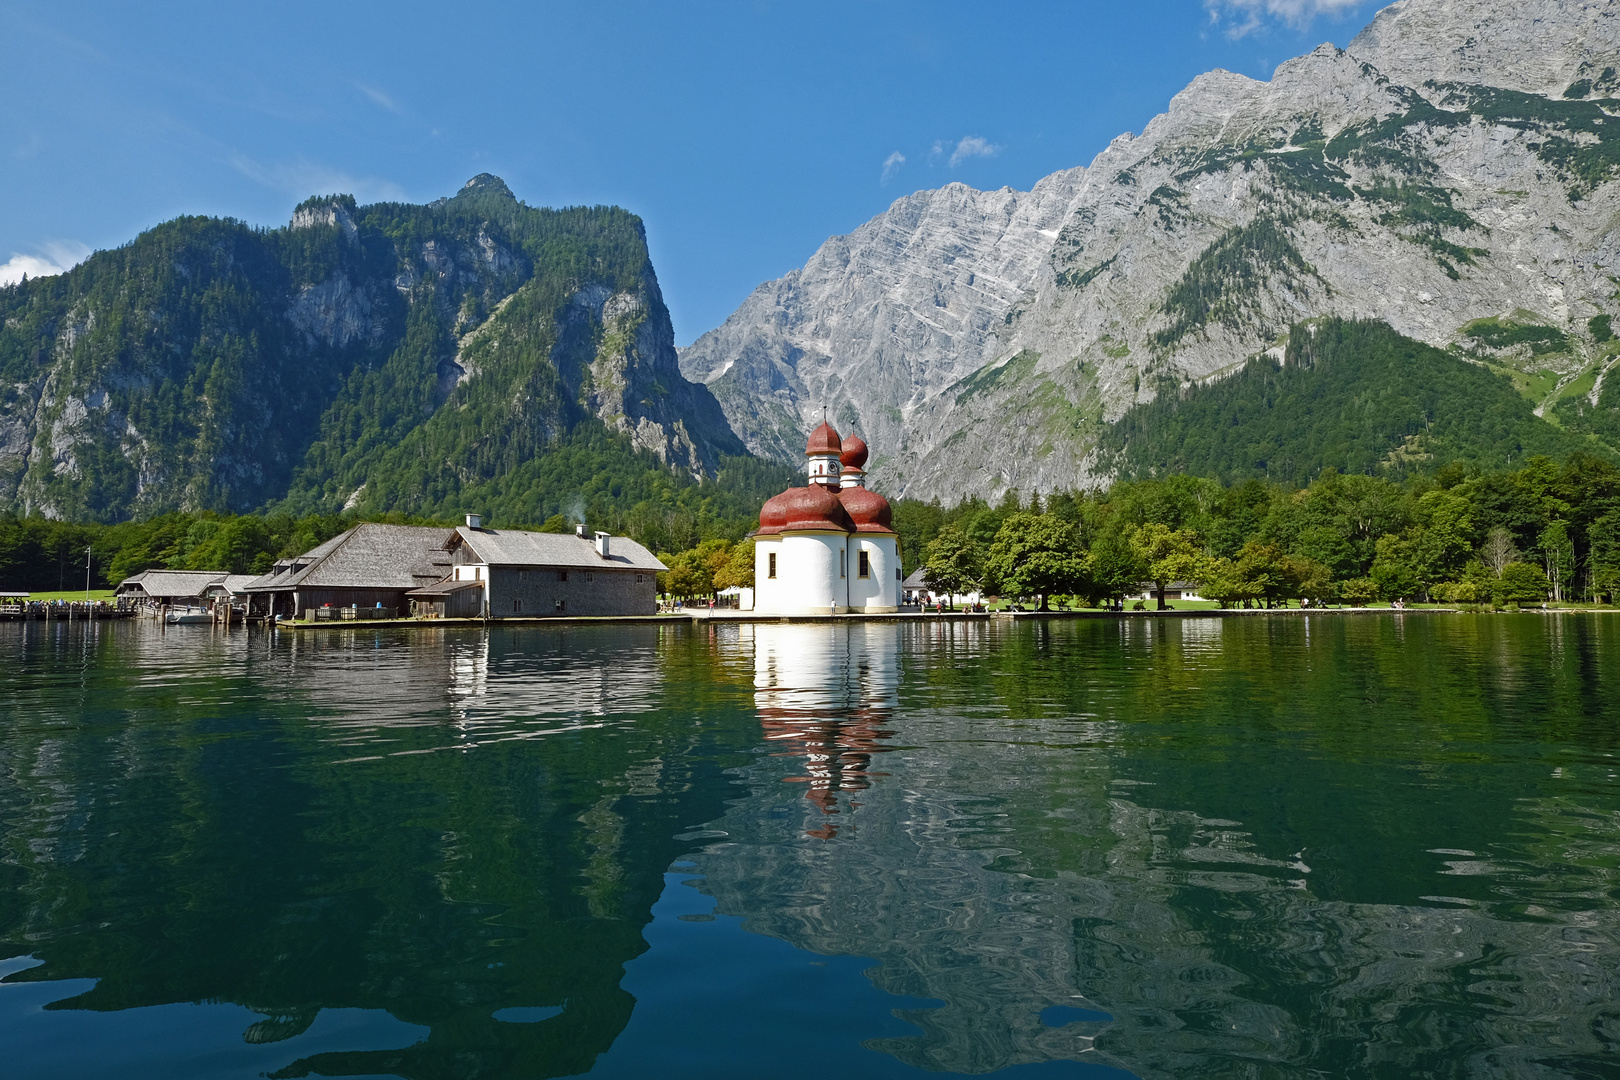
579	530
602	540
473	521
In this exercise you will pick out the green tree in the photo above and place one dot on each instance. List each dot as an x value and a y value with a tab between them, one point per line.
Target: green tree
1357	592
1444	535
1168	555
738	571
954	563
688	576
1456	592
1308	579
1603	560
1558	556
1228	586
1521	583
1264	569
1116	568
1397	568
1037	555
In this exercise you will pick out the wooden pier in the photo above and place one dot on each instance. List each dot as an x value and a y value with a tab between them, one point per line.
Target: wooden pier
64	611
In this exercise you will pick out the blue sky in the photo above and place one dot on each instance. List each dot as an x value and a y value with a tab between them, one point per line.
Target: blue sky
744	134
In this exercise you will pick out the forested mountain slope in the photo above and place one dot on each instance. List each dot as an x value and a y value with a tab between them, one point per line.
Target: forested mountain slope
475	353
1452	173
1355	397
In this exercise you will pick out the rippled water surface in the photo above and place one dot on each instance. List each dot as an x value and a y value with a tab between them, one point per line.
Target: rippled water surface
1336	845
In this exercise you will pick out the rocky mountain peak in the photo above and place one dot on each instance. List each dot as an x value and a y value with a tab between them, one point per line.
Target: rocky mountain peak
1455	165
326	210
1533	46
486	184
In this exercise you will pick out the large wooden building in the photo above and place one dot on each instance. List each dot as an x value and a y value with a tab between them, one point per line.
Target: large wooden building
370	566
158	589
392	571
510	574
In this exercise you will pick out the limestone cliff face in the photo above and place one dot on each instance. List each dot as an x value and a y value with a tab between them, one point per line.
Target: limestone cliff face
632	383
1455	163
882	320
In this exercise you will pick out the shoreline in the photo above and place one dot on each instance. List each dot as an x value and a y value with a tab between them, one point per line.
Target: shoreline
735	617
696	618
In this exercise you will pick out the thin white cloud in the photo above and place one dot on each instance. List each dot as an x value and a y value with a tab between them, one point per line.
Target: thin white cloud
972	146
936	151
379	98
304	178
1250	15
891	165
55	257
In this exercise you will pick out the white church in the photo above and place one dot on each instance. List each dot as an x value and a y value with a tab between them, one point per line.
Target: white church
827	548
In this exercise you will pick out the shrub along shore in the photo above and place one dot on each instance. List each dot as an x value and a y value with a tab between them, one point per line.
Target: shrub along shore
1547	531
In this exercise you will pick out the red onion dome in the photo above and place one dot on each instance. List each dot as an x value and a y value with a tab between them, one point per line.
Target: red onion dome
773	515
867	509
814	507
823	440
853	455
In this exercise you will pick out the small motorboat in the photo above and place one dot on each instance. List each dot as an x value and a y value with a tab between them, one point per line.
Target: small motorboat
189	617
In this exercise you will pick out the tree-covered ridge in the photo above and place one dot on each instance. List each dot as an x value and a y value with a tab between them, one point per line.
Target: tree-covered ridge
1353	396
208	365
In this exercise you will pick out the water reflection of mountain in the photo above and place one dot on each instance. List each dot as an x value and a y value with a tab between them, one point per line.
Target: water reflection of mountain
276	823
1101	831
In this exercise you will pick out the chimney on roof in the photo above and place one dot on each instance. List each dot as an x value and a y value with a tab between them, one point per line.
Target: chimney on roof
473	521
602	540
579	530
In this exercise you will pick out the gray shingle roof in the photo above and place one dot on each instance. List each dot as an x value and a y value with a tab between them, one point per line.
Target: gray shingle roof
233	583
446	587
508	547
178	583
368	556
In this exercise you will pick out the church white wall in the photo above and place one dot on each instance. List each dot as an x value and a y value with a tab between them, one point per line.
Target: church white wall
880	591
814	585
768	590
808	579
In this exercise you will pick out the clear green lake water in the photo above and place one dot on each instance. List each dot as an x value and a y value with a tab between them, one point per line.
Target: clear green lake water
1336	845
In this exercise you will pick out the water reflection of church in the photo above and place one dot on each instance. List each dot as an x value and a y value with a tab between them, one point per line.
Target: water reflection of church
824	694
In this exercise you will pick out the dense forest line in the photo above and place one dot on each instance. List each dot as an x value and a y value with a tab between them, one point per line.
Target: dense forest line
659	509
1461	534
1545	530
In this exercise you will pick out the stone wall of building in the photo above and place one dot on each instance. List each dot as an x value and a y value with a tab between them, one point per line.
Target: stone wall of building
525	593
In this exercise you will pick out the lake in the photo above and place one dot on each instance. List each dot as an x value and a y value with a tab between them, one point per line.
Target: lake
1270	846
